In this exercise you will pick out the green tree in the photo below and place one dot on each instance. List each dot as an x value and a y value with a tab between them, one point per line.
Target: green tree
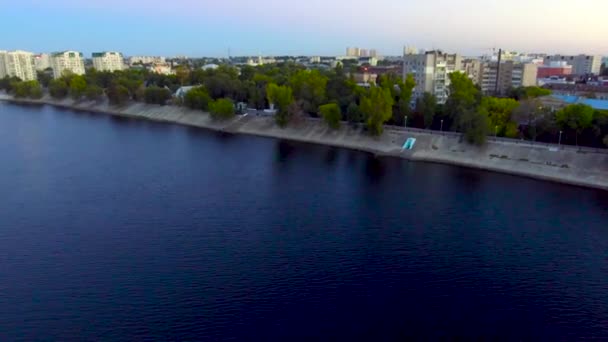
197	98
93	93
464	98
44	78
156	95
331	114
58	88
354	114
377	106
309	88
30	89
222	109
524	93
405	97
474	126
118	94
499	113
282	98
576	117
427	107
78	86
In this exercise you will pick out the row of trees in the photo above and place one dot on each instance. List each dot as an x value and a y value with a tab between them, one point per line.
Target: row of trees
335	96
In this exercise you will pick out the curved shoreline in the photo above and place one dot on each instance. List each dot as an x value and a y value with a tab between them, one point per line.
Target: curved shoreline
567	166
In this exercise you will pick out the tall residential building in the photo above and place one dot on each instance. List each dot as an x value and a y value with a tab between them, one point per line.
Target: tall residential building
108	61
364	53
42	61
581	64
373	53
18	64
353	52
430	71
2	66
472	68
497	80
67	61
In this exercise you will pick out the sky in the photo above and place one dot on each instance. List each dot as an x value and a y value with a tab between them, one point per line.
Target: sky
303	27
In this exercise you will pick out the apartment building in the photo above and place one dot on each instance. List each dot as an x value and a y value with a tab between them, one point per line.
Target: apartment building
430	71
472	68
2	66
108	61
498	79
67	61
581	64
18	64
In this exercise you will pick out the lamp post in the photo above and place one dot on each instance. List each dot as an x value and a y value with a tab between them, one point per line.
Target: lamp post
441	129
495	131
405	122
559	142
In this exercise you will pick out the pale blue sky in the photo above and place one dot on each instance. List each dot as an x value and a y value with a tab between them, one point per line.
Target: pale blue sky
312	27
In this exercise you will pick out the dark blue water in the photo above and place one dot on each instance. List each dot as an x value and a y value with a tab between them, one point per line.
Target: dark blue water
115	229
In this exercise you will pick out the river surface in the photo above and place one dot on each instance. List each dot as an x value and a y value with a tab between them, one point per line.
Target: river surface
117	229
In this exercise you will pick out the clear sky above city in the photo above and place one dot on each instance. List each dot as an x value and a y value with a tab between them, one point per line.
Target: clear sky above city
312	27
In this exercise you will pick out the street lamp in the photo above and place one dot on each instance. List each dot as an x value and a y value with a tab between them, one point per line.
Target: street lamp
406	121
559	142
441	129
495	131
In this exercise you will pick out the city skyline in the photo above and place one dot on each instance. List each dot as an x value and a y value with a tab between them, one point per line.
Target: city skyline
270	27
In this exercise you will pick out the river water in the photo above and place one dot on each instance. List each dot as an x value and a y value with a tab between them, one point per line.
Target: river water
117	229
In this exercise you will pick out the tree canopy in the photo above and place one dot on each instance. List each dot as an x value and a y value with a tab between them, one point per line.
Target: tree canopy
377	106
222	109
331	114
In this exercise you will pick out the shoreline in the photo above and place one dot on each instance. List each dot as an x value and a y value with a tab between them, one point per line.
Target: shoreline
542	162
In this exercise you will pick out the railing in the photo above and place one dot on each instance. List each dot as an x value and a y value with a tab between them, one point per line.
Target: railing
492	139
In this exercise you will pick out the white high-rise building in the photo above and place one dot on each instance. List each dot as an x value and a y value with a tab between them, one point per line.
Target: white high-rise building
430	71
18	64
108	61
67	61
2	66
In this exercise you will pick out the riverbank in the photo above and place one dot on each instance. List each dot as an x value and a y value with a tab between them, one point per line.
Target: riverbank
570	166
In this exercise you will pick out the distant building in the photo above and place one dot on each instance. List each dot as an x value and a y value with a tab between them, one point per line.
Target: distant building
108	61
315	59
42	61
553	80
2	66
497	80
581	64
373	53
555	68
147	60
161	68
363	53
70	61
210	66
18	64
430	71
373	61
353	52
